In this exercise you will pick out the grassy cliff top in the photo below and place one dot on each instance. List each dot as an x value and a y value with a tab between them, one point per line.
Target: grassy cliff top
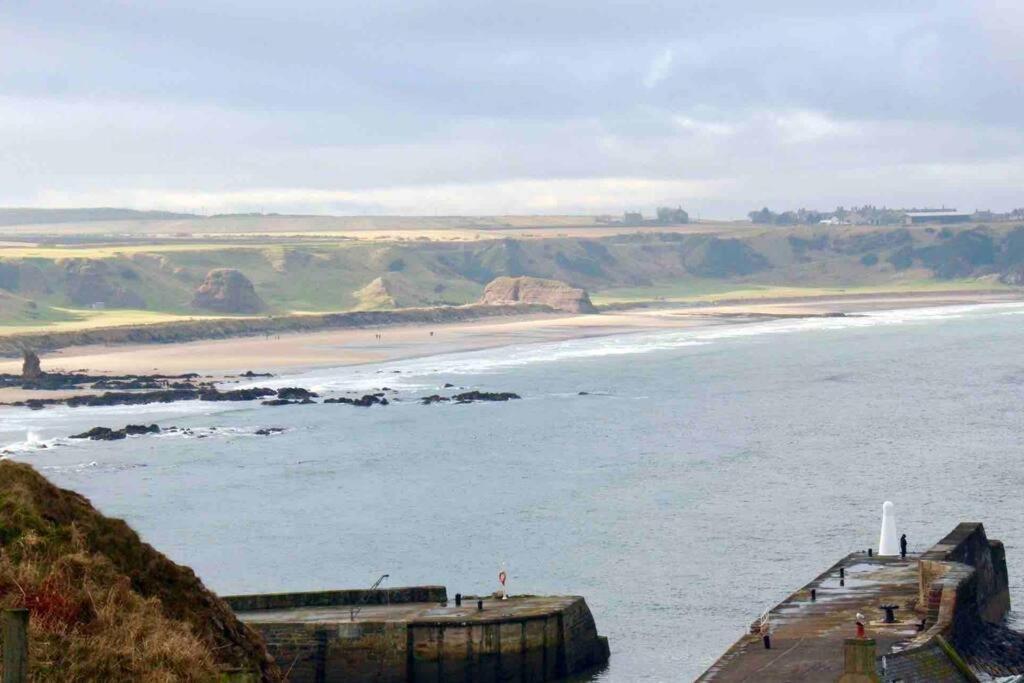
105	605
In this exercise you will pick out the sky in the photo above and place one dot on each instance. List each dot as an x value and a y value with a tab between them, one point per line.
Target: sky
442	107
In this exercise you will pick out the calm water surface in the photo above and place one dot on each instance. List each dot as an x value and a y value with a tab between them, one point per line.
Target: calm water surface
706	475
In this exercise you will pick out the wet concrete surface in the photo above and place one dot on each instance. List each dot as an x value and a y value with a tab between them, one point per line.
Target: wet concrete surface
807	636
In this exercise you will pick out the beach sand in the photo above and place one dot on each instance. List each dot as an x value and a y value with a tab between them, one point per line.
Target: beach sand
288	353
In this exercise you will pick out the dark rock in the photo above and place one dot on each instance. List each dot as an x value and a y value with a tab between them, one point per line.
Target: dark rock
114	398
137	383
364	402
30	367
131	430
295	393
267	431
471	396
286	402
101	434
448	385
235	394
584	393
435	398
108	434
250	373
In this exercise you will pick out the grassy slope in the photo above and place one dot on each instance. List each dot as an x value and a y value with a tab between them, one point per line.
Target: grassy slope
312	274
104	605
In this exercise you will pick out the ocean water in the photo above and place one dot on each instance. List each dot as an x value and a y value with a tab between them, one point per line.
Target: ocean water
705	475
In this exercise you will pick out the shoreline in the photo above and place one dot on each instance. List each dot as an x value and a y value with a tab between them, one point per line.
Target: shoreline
295	352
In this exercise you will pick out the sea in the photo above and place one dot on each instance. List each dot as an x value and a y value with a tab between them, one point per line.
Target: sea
682	481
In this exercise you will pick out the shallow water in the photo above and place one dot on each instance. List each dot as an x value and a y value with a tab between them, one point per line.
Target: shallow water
707	474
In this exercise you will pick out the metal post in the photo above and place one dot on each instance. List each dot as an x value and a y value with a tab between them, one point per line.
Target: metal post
814	594
15	634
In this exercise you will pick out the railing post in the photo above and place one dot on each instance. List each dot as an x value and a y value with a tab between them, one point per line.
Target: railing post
15	634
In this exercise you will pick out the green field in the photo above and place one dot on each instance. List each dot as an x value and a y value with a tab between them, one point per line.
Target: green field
136	278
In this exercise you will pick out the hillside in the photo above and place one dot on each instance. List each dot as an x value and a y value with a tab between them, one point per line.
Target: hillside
9	217
103	604
41	284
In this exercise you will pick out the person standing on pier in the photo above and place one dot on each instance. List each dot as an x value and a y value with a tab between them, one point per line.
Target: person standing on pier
903	546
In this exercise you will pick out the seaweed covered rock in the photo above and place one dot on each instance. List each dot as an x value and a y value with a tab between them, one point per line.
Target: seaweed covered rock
105	605
227	290
535	290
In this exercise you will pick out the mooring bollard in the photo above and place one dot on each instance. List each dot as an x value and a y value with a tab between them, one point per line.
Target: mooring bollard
15	633
479	604
767	641
458	599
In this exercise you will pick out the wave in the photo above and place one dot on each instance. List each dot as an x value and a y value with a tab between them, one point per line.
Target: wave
34	444
424	374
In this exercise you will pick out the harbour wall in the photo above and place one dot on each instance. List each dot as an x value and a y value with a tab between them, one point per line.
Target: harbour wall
530	645
963	585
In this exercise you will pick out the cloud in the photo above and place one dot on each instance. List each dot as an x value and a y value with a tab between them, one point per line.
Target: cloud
659	69
371	107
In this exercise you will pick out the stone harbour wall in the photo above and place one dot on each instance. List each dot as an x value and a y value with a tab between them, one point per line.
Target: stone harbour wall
544	646
964	586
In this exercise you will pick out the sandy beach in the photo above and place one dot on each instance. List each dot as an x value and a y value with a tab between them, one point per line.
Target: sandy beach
301	351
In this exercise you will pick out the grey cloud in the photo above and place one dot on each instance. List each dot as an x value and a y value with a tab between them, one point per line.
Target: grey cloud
237	96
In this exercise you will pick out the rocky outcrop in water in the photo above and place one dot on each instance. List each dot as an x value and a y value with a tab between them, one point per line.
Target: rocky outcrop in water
227	290
533	290
295	394
286	402
471	397
363	402
108	434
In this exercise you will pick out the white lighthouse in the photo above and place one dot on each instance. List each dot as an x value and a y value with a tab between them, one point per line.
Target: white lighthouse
889	540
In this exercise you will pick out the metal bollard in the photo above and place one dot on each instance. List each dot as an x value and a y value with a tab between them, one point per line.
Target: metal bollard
479	604
767	641
15	634
458	599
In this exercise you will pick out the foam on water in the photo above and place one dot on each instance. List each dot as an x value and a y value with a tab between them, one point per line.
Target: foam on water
423	374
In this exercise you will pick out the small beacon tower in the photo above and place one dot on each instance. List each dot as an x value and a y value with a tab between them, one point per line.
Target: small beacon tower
889	541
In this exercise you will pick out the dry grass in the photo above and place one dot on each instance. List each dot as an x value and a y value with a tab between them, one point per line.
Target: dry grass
104	605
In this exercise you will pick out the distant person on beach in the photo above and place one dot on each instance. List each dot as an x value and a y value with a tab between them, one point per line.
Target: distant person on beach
903	546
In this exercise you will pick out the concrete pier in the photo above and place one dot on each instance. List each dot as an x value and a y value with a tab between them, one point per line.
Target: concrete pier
949	606
401	635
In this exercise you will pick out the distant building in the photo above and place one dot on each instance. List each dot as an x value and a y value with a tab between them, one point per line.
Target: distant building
940	216
669	216
632	218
